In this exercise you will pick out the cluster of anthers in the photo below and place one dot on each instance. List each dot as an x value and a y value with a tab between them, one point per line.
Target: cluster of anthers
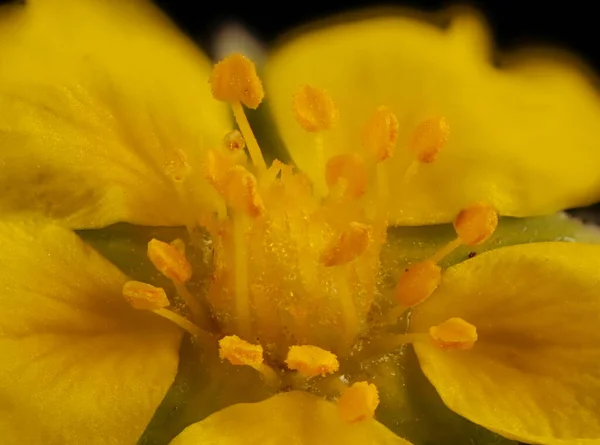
296	269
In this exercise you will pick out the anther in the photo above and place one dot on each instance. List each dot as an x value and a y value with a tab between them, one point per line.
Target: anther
240	191
454	333
314	109
144	296
428	139
169	261
234	79
234	140
417	283
476	223
473	225
348	170
349	245
358	402
380	134
239	352
311	361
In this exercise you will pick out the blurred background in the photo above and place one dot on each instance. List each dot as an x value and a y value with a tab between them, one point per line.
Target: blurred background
568	24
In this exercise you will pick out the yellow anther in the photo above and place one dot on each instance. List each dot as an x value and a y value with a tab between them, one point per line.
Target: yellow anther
475	224
428	139
234	140
417	283
144	296
380	133
314	109
311	361
348	170
240	191
358	402
234	79
240	352
347	246
454	333
169	261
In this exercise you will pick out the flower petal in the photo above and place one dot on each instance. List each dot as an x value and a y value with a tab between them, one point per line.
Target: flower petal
98	101
291	417
78	364
533	374
523	136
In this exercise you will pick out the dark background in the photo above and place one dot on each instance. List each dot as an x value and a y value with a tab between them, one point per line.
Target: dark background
569	24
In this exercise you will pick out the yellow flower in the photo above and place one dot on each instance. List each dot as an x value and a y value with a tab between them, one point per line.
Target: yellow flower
291	283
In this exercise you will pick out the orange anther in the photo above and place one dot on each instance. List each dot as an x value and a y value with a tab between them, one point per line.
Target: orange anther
348	170
240	352
169	260
454	333
314	109
358	402
144	296
417	283
347	246
234	79
428	139
380	133
476	223
311	361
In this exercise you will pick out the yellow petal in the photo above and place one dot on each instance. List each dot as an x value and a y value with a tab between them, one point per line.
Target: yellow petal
291	417
534	373
523	136
79	366
100	101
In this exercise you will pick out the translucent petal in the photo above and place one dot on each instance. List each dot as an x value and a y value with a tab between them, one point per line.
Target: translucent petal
533	374
78	364
523	135
100	102
292	417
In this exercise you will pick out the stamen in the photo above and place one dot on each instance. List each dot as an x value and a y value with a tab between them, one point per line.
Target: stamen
242	296
239	352
473	225
428	139
311	361
144	296
347	246
454	334
476	223
417	283
314	109
240	191
234	140
380	134
169	261
349	171
358	402
234	80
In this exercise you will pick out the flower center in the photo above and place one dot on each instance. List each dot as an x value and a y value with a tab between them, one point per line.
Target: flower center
296	268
